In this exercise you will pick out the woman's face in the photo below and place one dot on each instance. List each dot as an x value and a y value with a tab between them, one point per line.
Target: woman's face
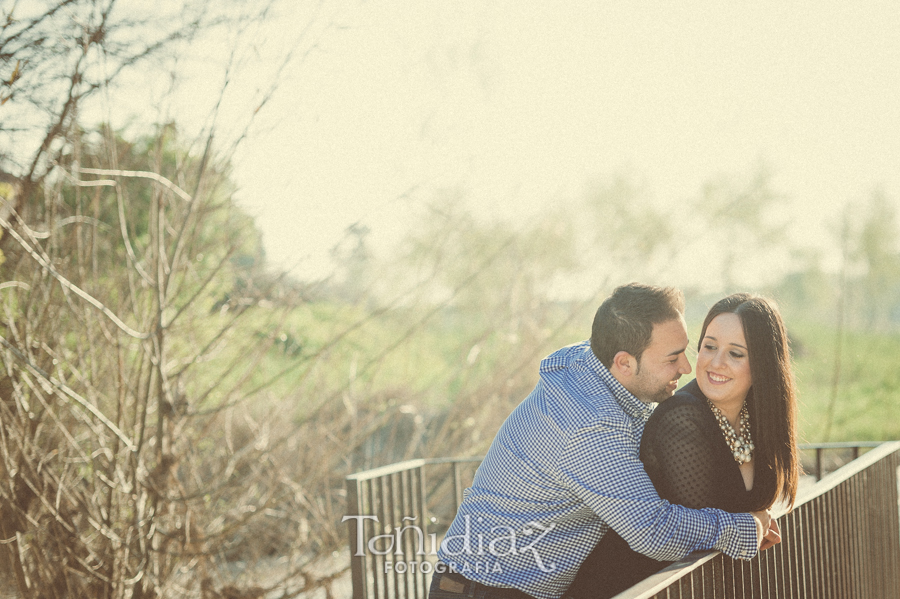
723	364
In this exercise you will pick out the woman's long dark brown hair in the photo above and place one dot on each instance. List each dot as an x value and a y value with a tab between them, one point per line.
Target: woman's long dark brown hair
772	400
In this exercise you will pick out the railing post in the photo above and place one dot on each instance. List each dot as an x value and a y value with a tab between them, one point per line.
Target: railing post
357	554
457	485
423	508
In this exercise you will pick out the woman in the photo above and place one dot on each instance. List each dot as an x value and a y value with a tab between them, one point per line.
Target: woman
726	440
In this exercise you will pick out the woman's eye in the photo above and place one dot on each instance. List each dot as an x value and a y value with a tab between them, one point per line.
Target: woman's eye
737	355
709	347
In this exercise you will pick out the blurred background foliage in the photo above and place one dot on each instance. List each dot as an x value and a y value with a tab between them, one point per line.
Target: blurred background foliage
177	417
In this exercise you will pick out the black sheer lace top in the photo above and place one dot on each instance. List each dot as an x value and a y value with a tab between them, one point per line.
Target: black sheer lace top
685	454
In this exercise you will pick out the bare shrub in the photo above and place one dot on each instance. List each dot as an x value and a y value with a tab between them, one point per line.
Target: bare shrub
142	451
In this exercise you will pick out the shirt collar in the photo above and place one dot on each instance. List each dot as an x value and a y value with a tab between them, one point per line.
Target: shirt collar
632	406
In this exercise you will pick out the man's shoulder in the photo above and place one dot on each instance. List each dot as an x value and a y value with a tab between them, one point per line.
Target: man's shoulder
574	402
566	357
575	371
574	358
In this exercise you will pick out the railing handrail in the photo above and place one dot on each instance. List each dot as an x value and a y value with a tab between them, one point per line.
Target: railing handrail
407	465
833	479
841	444
468	460
415	463
385	470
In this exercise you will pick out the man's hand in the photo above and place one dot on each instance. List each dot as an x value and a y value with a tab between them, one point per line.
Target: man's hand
773	536
763	520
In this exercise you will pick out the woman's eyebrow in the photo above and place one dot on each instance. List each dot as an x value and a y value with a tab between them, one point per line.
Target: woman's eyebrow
734	344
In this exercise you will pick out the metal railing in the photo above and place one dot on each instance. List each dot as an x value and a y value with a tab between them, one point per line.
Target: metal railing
838	451
838	541
392	524
842	540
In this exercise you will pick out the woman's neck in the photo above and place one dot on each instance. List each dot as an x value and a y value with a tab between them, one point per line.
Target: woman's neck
732	413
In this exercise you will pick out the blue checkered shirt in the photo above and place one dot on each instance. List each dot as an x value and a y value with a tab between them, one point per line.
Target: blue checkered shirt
561	471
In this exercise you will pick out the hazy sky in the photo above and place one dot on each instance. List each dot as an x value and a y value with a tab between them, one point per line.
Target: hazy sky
522	105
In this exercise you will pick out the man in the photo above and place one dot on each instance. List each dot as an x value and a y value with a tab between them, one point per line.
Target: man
564	467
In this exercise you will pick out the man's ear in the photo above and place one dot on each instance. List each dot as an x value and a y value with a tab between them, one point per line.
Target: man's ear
623	364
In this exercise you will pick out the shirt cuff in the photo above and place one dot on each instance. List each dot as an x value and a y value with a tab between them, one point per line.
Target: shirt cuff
743	544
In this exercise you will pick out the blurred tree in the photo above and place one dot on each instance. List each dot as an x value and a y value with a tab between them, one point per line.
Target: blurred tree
494	289
740	220
354	263
808	290
632	238
867	284
494	273
877	251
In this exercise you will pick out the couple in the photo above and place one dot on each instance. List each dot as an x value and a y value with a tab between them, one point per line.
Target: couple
586	489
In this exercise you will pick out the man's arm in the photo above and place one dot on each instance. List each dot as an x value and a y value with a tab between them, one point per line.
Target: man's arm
602	469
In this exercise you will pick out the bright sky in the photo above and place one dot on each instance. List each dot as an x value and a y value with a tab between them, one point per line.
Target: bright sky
523	104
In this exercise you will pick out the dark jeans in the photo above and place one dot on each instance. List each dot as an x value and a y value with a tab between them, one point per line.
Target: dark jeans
450	585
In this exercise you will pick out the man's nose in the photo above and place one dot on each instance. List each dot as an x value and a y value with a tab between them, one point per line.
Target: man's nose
685	366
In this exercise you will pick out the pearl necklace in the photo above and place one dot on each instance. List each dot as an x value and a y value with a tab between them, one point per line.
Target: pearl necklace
741	445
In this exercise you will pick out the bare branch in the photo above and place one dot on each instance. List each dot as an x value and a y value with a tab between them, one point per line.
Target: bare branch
71	286
65	389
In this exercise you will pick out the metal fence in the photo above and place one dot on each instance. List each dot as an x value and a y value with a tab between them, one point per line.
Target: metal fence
394	518
841	540
827	457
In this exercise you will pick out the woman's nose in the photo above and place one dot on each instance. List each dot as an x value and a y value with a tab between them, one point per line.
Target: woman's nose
718	359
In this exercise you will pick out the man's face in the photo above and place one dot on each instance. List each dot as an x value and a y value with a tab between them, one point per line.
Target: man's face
662	363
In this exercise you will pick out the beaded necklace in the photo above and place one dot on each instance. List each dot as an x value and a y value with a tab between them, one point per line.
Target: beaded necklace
741	445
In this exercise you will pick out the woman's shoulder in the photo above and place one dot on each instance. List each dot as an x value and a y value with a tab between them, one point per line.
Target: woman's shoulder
682	424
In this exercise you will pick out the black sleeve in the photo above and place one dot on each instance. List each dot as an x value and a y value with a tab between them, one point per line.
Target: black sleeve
680	452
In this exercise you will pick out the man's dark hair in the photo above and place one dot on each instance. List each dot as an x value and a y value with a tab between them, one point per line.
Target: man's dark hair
624	321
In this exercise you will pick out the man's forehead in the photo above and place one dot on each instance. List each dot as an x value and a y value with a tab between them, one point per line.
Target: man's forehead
670	337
